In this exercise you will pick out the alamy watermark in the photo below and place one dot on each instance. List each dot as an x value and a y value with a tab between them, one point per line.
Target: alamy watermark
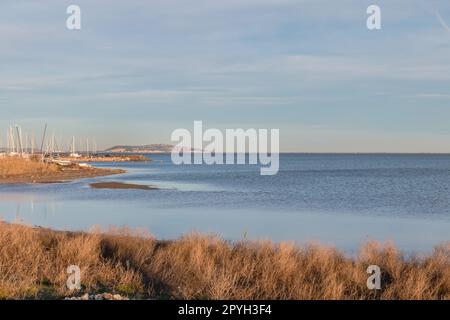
374	19
73	22
374	280
74	280
233	147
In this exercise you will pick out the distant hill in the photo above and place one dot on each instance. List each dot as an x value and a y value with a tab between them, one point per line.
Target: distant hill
151	148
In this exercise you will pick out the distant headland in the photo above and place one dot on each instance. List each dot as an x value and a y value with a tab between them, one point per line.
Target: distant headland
150	148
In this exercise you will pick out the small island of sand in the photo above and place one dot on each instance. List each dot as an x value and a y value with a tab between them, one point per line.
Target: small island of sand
121	185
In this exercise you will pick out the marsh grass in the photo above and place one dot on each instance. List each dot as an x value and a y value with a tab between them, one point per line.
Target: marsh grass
16	166
33	264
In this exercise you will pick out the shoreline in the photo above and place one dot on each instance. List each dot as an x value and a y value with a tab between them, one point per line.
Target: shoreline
61	175
106	158
60	178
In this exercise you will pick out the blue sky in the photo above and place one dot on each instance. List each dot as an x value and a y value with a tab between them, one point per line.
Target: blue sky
140	69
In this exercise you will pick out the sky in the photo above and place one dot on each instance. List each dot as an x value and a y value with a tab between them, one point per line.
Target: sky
139	69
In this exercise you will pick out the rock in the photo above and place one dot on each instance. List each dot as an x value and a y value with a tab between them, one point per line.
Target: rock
98	297
107	296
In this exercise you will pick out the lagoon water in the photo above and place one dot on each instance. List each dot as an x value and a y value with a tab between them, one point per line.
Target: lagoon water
340	200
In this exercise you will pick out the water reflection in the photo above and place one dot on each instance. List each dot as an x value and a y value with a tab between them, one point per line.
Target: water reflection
344	230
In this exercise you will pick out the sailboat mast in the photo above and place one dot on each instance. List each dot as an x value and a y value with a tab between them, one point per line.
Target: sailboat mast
19	138
42	142
32	143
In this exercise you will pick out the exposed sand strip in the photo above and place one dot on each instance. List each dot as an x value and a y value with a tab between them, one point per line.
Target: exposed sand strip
120	185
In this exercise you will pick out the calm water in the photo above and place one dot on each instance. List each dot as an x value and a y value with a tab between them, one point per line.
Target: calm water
341	200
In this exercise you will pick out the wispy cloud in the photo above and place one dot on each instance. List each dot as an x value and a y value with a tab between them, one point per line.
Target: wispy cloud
434	95
442	22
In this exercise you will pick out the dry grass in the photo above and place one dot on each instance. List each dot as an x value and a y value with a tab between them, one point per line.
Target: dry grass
33	264
16	170
10	166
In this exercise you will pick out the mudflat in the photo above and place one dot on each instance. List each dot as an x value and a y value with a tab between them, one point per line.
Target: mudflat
120	185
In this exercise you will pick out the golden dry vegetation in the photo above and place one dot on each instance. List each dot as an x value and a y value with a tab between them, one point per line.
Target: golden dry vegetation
33	263
15	166
15	170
